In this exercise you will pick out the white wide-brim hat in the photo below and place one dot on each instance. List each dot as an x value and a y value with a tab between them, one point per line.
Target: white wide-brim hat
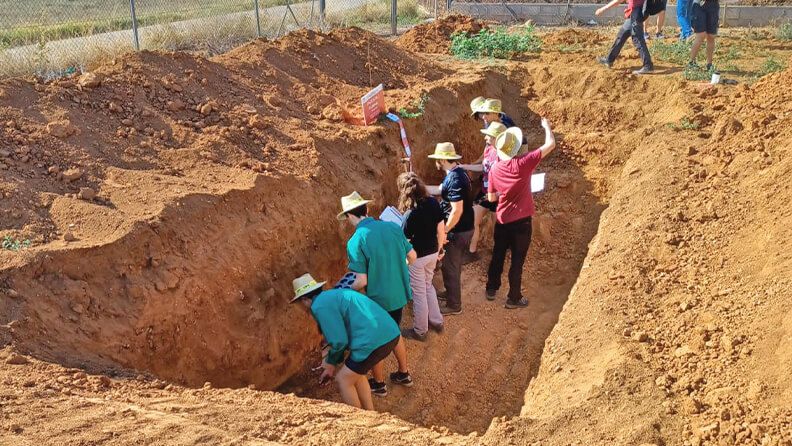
509	143
304	285
349	202
494	129
445	151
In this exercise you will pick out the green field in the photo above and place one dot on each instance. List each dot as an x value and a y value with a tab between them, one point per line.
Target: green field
35	21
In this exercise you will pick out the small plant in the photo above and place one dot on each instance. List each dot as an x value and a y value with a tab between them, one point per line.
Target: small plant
495	43
12	244
675	52
574	48
419	105
785	31
769	66
684	124
697	74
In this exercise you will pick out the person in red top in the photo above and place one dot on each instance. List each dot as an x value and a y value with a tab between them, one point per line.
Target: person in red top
510	185
633	26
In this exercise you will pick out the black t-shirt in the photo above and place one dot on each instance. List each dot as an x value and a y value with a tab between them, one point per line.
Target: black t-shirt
420	226
456	187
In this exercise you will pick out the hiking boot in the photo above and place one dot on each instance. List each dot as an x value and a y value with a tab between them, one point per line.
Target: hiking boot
445	310
437	328
471	257
522	303
378	389
605	61
410	333
491	294
644	70
403	379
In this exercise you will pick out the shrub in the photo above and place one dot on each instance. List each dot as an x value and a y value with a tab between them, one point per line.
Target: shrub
769	66
495	43
785	31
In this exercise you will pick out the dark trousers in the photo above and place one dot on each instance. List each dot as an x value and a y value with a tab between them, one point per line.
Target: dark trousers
455	251
633	27
514	237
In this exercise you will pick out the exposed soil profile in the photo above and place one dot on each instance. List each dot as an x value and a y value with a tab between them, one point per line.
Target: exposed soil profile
170	200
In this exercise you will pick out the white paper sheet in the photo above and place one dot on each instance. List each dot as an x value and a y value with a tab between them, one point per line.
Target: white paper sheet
392	215
537	182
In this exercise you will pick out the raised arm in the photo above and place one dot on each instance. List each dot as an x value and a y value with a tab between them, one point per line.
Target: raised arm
549	143
610	5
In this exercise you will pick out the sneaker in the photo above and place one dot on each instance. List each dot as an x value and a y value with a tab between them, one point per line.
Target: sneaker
437	328
710	67
490	294
659	36
471	257
378	389
522	303
647	36
410	333
644	70
604	61
448	311
693	65
403	379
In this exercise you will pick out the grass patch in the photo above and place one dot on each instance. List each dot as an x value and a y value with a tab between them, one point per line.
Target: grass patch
12	244
677	52
684	124
419	105
408	12
495	43
697	74
785	31
769	66
566	49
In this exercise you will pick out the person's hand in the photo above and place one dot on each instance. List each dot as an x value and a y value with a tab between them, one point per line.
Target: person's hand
327	373
440	254
545	123
599	12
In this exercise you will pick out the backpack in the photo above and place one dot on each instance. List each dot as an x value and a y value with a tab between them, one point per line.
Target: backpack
652	7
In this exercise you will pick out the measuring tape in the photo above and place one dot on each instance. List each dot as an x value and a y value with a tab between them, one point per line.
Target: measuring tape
403	133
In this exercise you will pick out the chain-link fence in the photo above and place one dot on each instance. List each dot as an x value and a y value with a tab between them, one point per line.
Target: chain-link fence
52	38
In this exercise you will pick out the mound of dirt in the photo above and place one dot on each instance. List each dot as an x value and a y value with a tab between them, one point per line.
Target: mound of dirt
435	37
573	36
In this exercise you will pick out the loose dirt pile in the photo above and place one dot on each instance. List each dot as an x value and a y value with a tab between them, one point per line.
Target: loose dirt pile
435	37
661	319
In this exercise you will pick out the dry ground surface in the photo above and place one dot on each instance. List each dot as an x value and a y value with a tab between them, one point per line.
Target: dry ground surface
170	199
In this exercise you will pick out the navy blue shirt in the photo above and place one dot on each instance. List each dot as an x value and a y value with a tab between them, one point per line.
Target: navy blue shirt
505	120
456	187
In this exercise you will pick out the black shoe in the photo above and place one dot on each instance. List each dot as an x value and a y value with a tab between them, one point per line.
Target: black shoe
449	311
403	379
437	328
692	65
644	70
471	257
604	61
490	294
522	303
710	67
442	295
410	333
378	389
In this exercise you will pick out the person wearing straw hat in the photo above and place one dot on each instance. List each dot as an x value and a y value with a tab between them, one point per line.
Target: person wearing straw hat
349	321
490	110
457	206
480	204
510	186
378	254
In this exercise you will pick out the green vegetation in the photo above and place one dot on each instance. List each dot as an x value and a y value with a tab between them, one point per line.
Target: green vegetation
684	124
12	244
419	105
676	52
697	74
769	66
785	31
408	12
573	48
495	43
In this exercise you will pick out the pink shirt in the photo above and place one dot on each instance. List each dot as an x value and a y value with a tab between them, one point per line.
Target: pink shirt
489	160
512	179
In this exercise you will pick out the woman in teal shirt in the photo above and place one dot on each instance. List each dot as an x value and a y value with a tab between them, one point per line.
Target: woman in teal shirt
349	321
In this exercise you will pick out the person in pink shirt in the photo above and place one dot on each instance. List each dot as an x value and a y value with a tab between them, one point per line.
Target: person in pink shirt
510	186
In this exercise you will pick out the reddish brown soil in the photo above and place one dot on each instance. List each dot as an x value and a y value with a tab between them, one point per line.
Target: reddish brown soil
435	37
663	320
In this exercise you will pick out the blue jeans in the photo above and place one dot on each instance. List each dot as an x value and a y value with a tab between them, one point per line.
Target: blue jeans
683	18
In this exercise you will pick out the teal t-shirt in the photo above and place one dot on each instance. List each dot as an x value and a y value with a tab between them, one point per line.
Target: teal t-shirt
379	249
352	321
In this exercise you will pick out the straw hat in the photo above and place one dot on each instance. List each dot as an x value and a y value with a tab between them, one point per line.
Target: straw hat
494	129
349	202
304	285
475	104
490	106
509	143
445	151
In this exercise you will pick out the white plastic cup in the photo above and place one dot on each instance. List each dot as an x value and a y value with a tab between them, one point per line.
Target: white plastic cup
715	78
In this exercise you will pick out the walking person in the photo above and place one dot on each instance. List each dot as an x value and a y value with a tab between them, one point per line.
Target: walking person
704	20
633	27
660	6
482	206
377	252
424	227
457	206
683	18
510	185
349	321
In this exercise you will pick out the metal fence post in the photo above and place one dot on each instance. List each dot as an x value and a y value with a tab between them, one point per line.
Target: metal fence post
134	25
322	7
394	13
258	19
